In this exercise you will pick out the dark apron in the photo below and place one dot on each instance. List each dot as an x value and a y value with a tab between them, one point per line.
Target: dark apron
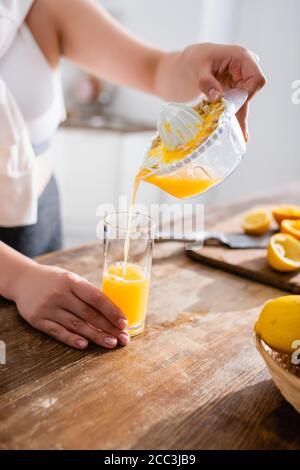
45	235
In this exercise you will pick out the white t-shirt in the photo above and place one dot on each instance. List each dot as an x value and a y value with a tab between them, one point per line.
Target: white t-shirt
31	108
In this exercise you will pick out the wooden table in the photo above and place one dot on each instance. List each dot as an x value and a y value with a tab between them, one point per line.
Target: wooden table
193	380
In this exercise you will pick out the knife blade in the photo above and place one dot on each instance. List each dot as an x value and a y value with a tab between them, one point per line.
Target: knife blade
233	240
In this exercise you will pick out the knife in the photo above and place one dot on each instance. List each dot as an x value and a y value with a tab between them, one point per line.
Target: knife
233	240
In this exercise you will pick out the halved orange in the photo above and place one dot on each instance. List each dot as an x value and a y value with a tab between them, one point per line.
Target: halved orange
284	253
285	211
256	222
292	227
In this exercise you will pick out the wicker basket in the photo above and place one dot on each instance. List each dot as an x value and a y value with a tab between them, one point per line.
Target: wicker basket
285	375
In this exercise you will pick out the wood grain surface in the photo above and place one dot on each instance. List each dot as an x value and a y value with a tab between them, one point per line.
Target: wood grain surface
251	263
193	380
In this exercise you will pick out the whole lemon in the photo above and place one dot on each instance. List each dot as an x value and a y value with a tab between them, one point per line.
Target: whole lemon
279	323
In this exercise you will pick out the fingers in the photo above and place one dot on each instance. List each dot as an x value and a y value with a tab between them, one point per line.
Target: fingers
124	338
242	117
101	338
252	77
62	334
238	67
253	84
211	87
89	314
95	298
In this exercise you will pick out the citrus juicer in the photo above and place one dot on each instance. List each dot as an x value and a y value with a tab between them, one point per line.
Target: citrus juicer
185	147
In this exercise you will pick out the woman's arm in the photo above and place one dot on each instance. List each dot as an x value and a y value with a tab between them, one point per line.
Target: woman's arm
84	33
13	267
60	303
89	37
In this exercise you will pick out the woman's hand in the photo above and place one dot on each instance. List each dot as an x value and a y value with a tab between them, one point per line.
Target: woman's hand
210	69
68	308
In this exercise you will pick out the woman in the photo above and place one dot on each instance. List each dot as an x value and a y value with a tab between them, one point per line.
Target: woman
36	34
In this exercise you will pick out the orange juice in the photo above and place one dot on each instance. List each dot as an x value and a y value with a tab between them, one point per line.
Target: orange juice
181	184
128	288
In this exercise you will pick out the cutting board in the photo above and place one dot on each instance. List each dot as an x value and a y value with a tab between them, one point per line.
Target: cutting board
251	264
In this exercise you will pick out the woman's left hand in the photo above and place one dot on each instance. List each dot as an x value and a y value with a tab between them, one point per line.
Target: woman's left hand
210	69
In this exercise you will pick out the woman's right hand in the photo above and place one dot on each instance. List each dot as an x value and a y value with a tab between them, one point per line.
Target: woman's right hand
68	308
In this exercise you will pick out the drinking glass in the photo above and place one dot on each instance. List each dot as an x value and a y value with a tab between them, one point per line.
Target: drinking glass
128	244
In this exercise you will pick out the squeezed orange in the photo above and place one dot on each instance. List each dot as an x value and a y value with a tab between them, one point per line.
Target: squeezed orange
128	287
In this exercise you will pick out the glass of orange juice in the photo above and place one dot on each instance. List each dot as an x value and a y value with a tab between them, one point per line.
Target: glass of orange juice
128	243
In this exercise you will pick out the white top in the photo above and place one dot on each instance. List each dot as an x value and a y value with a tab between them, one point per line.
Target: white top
31	104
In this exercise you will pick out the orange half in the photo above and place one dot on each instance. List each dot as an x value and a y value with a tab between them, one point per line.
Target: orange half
256	222
292	227
285	211
283	253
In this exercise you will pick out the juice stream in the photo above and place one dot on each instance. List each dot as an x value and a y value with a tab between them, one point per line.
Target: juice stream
137	181
181	184
126	283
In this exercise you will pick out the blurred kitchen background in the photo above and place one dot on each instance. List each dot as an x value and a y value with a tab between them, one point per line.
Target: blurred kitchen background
98	149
